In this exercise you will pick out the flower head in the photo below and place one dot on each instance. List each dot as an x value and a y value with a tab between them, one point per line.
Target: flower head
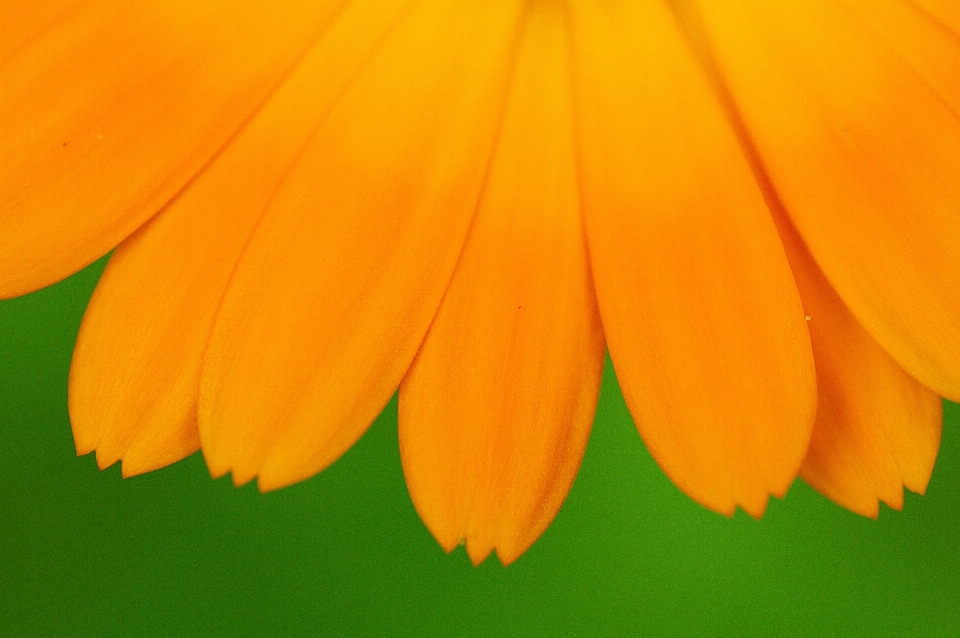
751	205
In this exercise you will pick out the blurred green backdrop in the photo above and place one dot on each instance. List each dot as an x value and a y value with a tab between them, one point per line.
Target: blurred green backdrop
173	553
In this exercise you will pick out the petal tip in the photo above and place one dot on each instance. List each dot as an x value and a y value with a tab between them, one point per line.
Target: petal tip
267	483
240	479
104	461
508	556
478	552
84	449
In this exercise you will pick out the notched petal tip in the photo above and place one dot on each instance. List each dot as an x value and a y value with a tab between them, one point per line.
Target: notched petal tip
267	482
757	510
217	470
856	131
495	411
478	552
83	447
508	555
281	395
104	461
129	469
700	311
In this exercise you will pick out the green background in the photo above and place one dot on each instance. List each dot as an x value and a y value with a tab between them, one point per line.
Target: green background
84	553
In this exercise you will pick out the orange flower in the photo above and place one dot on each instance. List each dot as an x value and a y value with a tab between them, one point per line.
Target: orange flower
755	206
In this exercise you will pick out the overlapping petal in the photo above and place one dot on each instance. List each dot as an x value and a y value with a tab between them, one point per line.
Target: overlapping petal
496	409
110	111
701	314
864	153
877	429
136	367
757	200
929	48
944	12
337	287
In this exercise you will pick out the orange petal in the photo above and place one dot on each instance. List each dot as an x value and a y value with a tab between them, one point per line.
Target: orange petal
865	155
930	50
109	112
877	428
337	287
702	317
944	12
23	20
136	365
496	410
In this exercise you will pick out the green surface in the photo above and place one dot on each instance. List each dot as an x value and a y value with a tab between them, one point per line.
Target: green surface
170	553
